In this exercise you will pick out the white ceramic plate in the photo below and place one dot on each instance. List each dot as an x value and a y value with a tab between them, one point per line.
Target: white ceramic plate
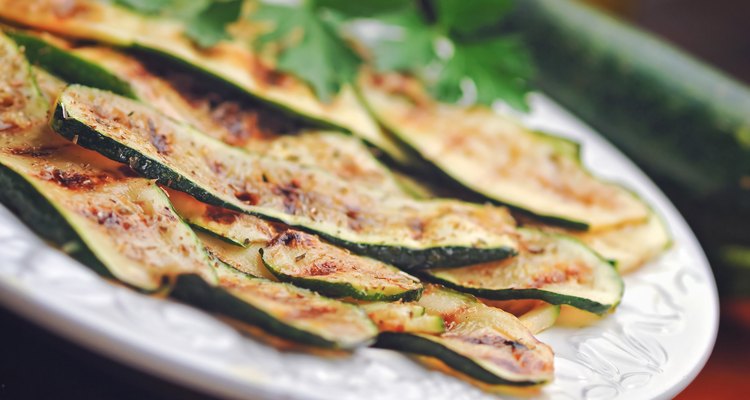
652	347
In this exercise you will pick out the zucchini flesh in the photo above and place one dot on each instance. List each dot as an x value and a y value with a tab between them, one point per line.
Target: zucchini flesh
403	317
279	308
294	256
482	342
628	246
553	268
501	160
399	231
119	225
540	318
230	64
302	259
244	259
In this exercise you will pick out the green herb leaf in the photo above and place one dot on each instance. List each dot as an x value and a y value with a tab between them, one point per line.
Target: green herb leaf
209	26
467	16
500	68
410	48
320	56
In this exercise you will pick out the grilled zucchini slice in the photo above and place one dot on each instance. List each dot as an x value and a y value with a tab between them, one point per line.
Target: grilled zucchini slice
481	342
229	64
279	308
119	225
304	260
501	160
404	232
628	246
554	268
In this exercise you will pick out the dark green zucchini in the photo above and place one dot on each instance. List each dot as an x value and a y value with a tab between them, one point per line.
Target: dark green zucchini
499	159
399	231
49	53
228	64
555	268
119	225
294	256
677	117
279	308
481	342
304	260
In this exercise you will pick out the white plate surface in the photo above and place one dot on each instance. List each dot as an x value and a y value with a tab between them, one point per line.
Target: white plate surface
652	347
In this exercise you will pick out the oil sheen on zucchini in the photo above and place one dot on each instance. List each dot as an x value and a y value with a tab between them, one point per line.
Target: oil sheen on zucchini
555	268
403	232
481	342
293	256
119	225
228	63
499	159
228	119
304	260
279	308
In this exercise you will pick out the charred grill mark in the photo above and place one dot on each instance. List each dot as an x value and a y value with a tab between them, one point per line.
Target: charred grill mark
266	74
158	140
291	238
291	194
221	215
36	151
322	268
354	219
247	197
75	180
417	227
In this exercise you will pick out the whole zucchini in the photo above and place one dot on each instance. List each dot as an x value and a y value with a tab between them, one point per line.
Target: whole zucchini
685	123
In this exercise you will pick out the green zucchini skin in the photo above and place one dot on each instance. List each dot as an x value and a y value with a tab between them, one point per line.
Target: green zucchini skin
684	122
418	345
192	289
401	256
594	285
42	217
67	66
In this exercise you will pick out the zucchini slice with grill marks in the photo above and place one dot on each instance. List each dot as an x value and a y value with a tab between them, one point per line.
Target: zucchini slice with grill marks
119	225
499	159
229	120
304	260
628	246
404	232
294	256
403	317
229	64
555	268
481	342
279	308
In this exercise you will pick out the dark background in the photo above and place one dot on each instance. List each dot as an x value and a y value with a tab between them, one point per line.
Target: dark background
37	365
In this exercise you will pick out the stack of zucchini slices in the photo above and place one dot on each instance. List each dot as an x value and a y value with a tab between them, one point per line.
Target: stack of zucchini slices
230	197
